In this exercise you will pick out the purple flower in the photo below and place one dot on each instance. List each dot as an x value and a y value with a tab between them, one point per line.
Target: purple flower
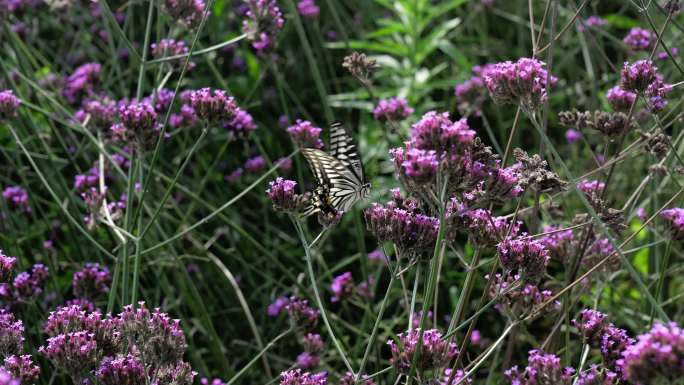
91	281
591	325
100	113
159	337
302	314
23	368
394	109
213	105
17	196
595	377
11	334
169	47
542	369
81	82
186	12
255	164
308	8
241	125
526	256
312	342
215	381
8	104
75	353
28	285
7	378
572	136
591	187
349	379
263	20
306	360
656	356
592	21
84	181
523	82
305	134
186	118
138	122
377	256
122	370
277	306
342	286
639	76
434	353
419	166
614	341
621	100
639	39
435	131
479	224
284	164
178	373
663	56
471	93
297	377
235	176
675	221
284	196
412	233
558	241
6	267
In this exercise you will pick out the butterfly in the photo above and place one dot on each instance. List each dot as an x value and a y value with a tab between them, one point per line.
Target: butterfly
339	174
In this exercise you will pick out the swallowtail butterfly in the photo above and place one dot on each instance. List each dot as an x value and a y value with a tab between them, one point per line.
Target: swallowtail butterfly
339	174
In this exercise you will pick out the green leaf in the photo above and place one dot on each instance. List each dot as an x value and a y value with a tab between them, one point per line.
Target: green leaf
621	21
641	261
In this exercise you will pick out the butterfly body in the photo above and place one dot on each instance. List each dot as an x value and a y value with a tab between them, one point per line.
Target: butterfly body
339	174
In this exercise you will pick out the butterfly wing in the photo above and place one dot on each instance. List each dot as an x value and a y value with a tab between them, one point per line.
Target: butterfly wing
343	148
338	185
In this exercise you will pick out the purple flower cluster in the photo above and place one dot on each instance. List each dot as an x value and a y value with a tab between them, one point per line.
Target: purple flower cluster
642	77
515	300
435	352
11	335
159	338
542	369
572	135
308	8
82	182
8	104
675	221
591	325
525	256
593	188
301	313
186	12
100	114
277	307
305	134
23	368
82	82
282	193
557	241
7	378
592	21
621	100
524	82
16	196
91	281
595	377
213	105
123	370
639	39
241	125
471	93
298	377
75	353
6	267
27	285
656	356
263	21
170	47
342	286
418	166
436	132
483	228
411	232
394	109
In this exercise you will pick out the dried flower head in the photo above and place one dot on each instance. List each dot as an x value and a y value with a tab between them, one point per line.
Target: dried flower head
434	352
534	173
360	66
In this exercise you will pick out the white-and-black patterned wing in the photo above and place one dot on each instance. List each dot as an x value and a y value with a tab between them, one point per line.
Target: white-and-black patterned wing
337	184
343	148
